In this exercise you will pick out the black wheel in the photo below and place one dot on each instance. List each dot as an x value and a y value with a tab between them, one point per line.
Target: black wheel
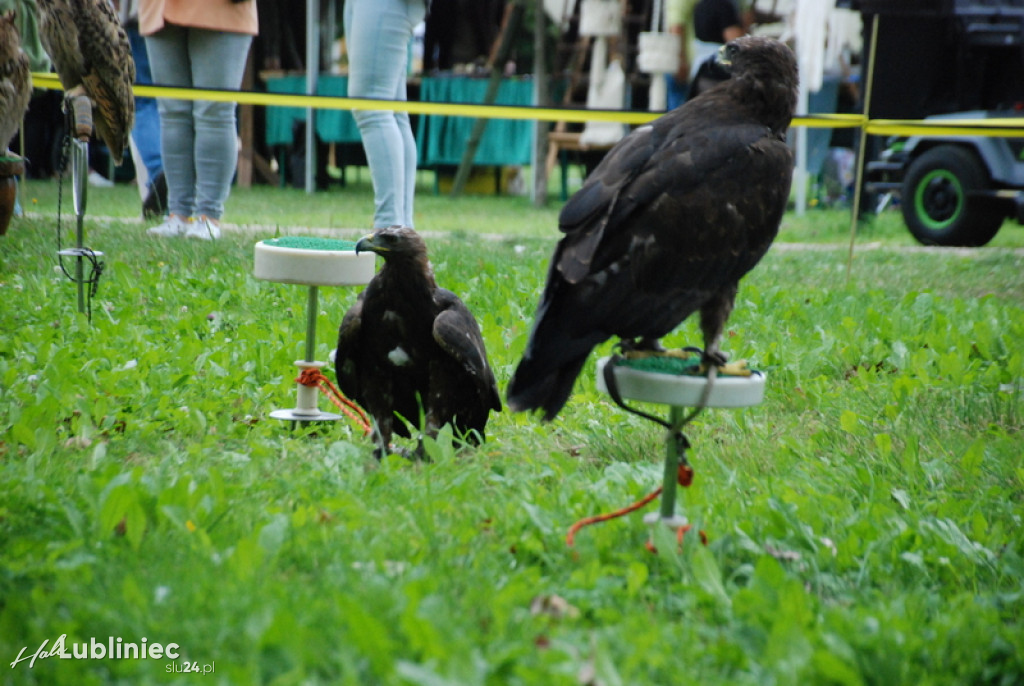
936	203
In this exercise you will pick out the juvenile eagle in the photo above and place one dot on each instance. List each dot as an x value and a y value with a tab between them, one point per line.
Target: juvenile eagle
92	56
677	212
15	80
409	347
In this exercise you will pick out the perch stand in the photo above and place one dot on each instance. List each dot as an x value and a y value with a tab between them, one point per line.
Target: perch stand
679	391
80	112
313	262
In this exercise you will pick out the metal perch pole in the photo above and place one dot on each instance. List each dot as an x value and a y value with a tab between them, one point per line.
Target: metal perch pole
675	452
81	111
80	176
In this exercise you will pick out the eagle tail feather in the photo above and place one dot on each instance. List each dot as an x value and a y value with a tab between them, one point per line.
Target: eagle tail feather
538	386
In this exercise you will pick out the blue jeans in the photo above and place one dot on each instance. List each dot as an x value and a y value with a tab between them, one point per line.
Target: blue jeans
198	138
676	93
377	35
146	132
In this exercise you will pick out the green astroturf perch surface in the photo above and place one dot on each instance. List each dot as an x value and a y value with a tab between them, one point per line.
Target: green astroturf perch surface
310	243
659	364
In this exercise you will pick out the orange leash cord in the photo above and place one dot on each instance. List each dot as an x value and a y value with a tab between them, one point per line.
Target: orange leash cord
314	377
685	478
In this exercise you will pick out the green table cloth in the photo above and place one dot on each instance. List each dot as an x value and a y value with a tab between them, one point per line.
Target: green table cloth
440	140
332	126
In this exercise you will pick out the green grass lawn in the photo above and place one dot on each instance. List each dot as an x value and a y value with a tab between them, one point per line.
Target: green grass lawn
864	521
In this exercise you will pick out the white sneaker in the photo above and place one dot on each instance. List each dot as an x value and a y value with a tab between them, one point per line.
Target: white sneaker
172	227
204	229
98	180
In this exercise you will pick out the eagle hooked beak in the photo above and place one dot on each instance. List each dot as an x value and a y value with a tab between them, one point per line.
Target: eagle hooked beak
366	243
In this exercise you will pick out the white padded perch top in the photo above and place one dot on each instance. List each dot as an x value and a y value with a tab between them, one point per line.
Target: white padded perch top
312	261
671	381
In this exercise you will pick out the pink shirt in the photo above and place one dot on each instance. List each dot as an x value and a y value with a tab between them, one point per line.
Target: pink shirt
216	15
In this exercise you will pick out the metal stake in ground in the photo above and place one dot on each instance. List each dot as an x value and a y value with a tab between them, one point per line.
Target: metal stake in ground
81	111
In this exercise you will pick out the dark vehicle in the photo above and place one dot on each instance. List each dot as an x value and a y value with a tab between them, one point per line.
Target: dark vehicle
951	58
953	190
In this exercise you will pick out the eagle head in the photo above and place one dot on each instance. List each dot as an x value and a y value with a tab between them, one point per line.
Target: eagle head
392	242
759	55
768	73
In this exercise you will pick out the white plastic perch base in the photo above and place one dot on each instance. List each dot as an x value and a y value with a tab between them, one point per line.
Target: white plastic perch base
682	390
306	409
674	522
313	267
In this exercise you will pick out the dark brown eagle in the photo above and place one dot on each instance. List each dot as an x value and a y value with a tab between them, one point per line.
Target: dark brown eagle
15	80
91	54
676	213
408	348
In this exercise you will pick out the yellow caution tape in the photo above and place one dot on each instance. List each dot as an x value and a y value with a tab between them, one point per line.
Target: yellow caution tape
329	102
1003	127
998	128
830	121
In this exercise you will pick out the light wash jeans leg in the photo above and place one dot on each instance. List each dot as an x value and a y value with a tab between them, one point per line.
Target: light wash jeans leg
169	63
198	139
218	63
378	34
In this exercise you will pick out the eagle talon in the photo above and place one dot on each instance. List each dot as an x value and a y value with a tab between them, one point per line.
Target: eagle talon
675	353
737	368
638	349
715	357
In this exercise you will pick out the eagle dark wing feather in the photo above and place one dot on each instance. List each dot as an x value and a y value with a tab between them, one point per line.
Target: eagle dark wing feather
688	237
666	225
345	352
458	334
616	170
462	387
586	216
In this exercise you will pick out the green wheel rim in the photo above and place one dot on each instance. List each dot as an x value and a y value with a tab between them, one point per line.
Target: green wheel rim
939	199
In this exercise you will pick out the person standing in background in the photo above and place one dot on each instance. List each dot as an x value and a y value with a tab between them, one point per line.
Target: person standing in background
197	44
377	33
